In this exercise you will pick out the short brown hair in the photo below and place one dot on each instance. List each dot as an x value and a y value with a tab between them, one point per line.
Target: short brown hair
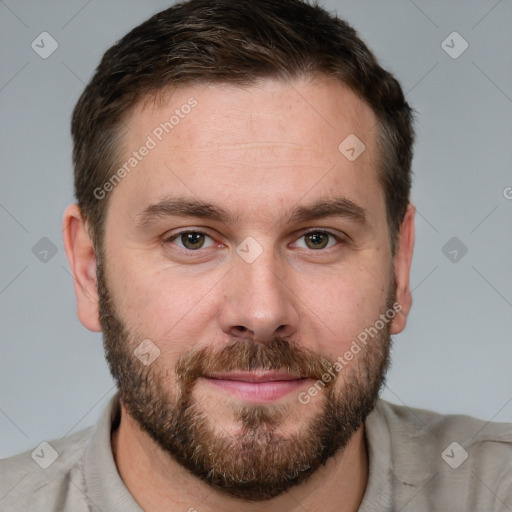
237	42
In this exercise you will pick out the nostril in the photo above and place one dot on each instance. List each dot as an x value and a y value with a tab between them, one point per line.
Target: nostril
242	332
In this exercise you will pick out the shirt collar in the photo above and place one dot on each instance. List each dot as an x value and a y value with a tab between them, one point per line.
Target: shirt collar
391	452
104	486
394	448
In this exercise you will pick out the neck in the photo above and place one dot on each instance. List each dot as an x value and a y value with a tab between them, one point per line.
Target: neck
158	483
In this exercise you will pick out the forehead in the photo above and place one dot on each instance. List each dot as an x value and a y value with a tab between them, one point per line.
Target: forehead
271	144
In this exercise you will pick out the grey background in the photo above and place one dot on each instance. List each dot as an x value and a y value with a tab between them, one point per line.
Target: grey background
455	353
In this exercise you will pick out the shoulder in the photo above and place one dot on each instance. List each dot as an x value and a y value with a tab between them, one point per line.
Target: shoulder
416	423
49	477
458	455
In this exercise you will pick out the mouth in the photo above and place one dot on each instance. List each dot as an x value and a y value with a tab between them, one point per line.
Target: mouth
257	386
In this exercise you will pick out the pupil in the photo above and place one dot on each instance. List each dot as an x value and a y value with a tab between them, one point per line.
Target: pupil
192	240
317	240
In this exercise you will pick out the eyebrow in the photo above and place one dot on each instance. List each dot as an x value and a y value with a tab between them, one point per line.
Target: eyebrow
336	207
180	207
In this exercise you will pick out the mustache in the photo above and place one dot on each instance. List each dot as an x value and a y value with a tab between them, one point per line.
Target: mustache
248	355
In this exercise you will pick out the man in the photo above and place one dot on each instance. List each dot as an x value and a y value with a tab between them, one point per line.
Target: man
243	237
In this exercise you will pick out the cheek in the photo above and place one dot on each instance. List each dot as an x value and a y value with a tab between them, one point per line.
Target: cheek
342	306
161	304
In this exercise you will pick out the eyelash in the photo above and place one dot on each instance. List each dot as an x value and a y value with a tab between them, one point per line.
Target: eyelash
174	236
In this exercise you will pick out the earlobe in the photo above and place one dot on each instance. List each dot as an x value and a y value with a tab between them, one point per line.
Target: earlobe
82	261
403	262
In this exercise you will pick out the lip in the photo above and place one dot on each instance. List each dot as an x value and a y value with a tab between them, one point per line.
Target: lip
257	386
255	376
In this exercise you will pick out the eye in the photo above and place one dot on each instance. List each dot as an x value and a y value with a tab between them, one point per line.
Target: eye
317	240
191	240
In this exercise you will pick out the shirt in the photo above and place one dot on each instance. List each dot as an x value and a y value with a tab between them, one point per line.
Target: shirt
419	461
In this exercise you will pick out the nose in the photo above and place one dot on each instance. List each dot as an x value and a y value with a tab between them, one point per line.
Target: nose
259	303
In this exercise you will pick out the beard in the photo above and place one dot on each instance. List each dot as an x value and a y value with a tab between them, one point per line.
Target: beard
261	460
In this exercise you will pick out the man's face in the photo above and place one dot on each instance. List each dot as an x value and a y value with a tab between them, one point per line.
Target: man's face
251	252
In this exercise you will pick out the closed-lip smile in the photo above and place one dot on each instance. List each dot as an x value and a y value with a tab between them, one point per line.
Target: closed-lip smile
257	386
255	376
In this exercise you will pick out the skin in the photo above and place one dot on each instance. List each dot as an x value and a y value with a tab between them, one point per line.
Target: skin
258	152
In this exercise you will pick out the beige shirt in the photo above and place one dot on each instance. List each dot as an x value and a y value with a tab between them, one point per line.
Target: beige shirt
419	461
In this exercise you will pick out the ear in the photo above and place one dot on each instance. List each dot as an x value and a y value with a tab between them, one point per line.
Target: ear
82	261
403	261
